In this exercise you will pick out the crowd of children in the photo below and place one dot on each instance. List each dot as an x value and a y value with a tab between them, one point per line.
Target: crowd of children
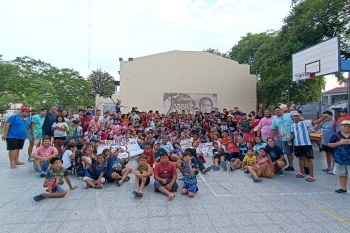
77	138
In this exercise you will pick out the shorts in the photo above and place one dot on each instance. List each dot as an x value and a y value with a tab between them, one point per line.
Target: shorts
58	188
48	133
14	144
287	149
327	149
158	184
60	138
85	178
191	188
341	170
270	176
234	155
44	166
147	181
177	151
38	135
304	151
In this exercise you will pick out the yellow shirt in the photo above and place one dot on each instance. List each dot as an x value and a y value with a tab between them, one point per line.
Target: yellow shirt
250	161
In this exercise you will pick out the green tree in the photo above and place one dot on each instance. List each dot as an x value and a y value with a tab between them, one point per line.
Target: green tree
216	52
7	72
102	83
243	52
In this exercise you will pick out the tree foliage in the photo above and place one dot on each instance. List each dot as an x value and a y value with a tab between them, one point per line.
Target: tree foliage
269	53
102	83
216	52
37	84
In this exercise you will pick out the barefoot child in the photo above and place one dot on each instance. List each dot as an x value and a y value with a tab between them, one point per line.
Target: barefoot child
97	169
165	176
142	174
57	172
189	169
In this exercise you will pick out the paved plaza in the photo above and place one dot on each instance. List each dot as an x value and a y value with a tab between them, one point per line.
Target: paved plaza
226	202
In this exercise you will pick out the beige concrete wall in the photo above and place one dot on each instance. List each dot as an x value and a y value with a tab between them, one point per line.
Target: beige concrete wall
144	80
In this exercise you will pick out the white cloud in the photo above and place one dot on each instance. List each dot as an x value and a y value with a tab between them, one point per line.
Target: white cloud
57	31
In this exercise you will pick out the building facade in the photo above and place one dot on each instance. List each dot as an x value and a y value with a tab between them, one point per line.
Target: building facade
186	80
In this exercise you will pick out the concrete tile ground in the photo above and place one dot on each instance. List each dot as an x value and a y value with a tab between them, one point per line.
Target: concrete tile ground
226	202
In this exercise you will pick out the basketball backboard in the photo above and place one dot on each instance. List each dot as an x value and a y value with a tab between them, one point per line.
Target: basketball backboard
318	60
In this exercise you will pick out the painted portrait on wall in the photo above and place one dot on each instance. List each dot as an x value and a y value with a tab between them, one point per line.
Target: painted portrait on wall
189	102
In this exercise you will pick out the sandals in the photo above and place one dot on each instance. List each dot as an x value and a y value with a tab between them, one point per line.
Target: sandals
127	179
300	175
326	170
341	191
139	194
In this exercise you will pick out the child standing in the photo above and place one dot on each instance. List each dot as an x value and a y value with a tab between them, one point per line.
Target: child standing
190	182
341	142
58	173
97	169
142	174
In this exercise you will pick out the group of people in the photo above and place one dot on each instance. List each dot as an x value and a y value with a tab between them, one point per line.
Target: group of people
77	137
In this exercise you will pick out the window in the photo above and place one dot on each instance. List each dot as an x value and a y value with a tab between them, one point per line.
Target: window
333	100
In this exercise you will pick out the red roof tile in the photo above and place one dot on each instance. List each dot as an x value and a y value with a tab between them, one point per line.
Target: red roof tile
336	90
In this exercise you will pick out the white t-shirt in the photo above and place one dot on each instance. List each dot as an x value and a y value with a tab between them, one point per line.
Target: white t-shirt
67	159
85	166
58	132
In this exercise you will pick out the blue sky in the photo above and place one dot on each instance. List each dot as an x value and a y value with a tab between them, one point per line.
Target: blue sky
57	31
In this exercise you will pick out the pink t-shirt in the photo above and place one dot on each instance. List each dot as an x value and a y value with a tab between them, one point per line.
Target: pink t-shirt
269	163
265	127
42	152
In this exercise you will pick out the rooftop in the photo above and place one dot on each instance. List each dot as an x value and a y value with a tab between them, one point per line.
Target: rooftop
336	90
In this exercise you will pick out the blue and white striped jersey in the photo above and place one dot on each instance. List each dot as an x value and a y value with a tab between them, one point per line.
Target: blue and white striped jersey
301	133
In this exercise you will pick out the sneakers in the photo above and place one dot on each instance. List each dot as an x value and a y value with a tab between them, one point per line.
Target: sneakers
330	173
38	197
206	170
228	165
246	170
310	179
42	173
215	168
30	159
181	177
341	191
280	173
223	165
300	175
307	171
326	170
232	166
289	169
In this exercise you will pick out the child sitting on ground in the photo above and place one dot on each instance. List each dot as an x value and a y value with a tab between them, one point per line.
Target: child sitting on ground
58	173
264	167
249	160
117	169
189	170
97	169
142	174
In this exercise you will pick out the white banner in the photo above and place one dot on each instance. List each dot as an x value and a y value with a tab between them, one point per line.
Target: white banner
128	144
205	148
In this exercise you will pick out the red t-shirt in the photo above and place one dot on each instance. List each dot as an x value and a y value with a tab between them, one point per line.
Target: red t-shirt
149	155
165	172
340	119
86	123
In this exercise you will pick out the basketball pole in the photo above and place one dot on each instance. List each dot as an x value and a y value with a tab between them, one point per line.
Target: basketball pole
289	91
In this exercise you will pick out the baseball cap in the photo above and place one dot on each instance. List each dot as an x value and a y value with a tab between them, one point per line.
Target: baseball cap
345	122
294	113
344	110
25	110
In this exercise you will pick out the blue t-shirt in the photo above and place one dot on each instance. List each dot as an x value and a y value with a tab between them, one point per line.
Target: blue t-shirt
328	131
257	147
18	127
189	179
342	152
283	124
96	170
275	153
112	165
